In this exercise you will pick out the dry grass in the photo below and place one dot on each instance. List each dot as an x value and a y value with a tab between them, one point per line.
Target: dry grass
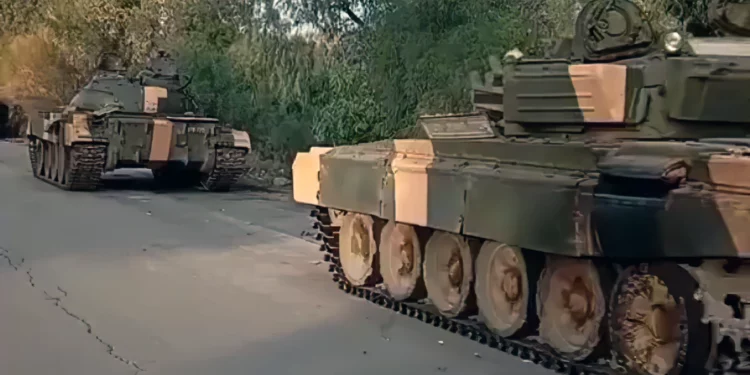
30	66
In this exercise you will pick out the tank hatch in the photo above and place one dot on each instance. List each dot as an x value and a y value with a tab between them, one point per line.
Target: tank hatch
609	30
730	17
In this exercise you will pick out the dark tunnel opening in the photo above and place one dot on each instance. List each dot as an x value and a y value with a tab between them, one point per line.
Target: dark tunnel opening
5	131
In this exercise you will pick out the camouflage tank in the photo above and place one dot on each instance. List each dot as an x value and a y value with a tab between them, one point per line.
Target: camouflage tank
117	121
592	215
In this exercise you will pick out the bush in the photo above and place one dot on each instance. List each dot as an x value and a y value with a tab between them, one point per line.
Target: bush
356	78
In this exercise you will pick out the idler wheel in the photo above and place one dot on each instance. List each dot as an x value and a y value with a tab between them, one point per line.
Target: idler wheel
401	260
504	293
570	306
448	273
358	248
655	323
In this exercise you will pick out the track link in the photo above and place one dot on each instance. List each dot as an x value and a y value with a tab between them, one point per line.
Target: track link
84	168
228	168
87	164
33	156
528	350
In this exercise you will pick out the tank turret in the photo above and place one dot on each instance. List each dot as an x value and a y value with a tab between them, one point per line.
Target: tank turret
617	79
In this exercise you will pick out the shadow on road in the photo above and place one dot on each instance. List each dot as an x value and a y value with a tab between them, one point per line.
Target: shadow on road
142	180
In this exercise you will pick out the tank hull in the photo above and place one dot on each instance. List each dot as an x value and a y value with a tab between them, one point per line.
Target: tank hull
683	207
551	198
179	150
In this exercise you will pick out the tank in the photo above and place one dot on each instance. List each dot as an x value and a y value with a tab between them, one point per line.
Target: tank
591	215
143	121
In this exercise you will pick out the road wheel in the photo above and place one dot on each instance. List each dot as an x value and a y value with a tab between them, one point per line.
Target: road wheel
358	249
449	273
505	292
570	306
655	323
401	261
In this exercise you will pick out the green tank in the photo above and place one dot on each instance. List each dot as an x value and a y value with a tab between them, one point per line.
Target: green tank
592	215
120	121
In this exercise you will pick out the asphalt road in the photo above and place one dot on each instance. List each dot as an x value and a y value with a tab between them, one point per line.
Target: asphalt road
128	280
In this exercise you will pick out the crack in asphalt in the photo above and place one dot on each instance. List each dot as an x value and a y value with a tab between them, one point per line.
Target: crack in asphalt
110	349
31	278
90	330
4	253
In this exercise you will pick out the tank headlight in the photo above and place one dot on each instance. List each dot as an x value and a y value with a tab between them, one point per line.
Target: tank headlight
673	42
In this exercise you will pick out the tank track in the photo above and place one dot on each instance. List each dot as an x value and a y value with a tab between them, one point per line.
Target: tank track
229	167
86	166
528	349
33	156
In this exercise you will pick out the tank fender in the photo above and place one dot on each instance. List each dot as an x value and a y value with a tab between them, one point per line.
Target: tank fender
648	167
241	139
222	136
78	130
730	171
306	175
50	122
77	127
357	178
50	119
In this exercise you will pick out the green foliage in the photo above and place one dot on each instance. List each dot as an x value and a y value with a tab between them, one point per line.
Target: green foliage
51	47
364	71
420	55
19	17
346	107
365	79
